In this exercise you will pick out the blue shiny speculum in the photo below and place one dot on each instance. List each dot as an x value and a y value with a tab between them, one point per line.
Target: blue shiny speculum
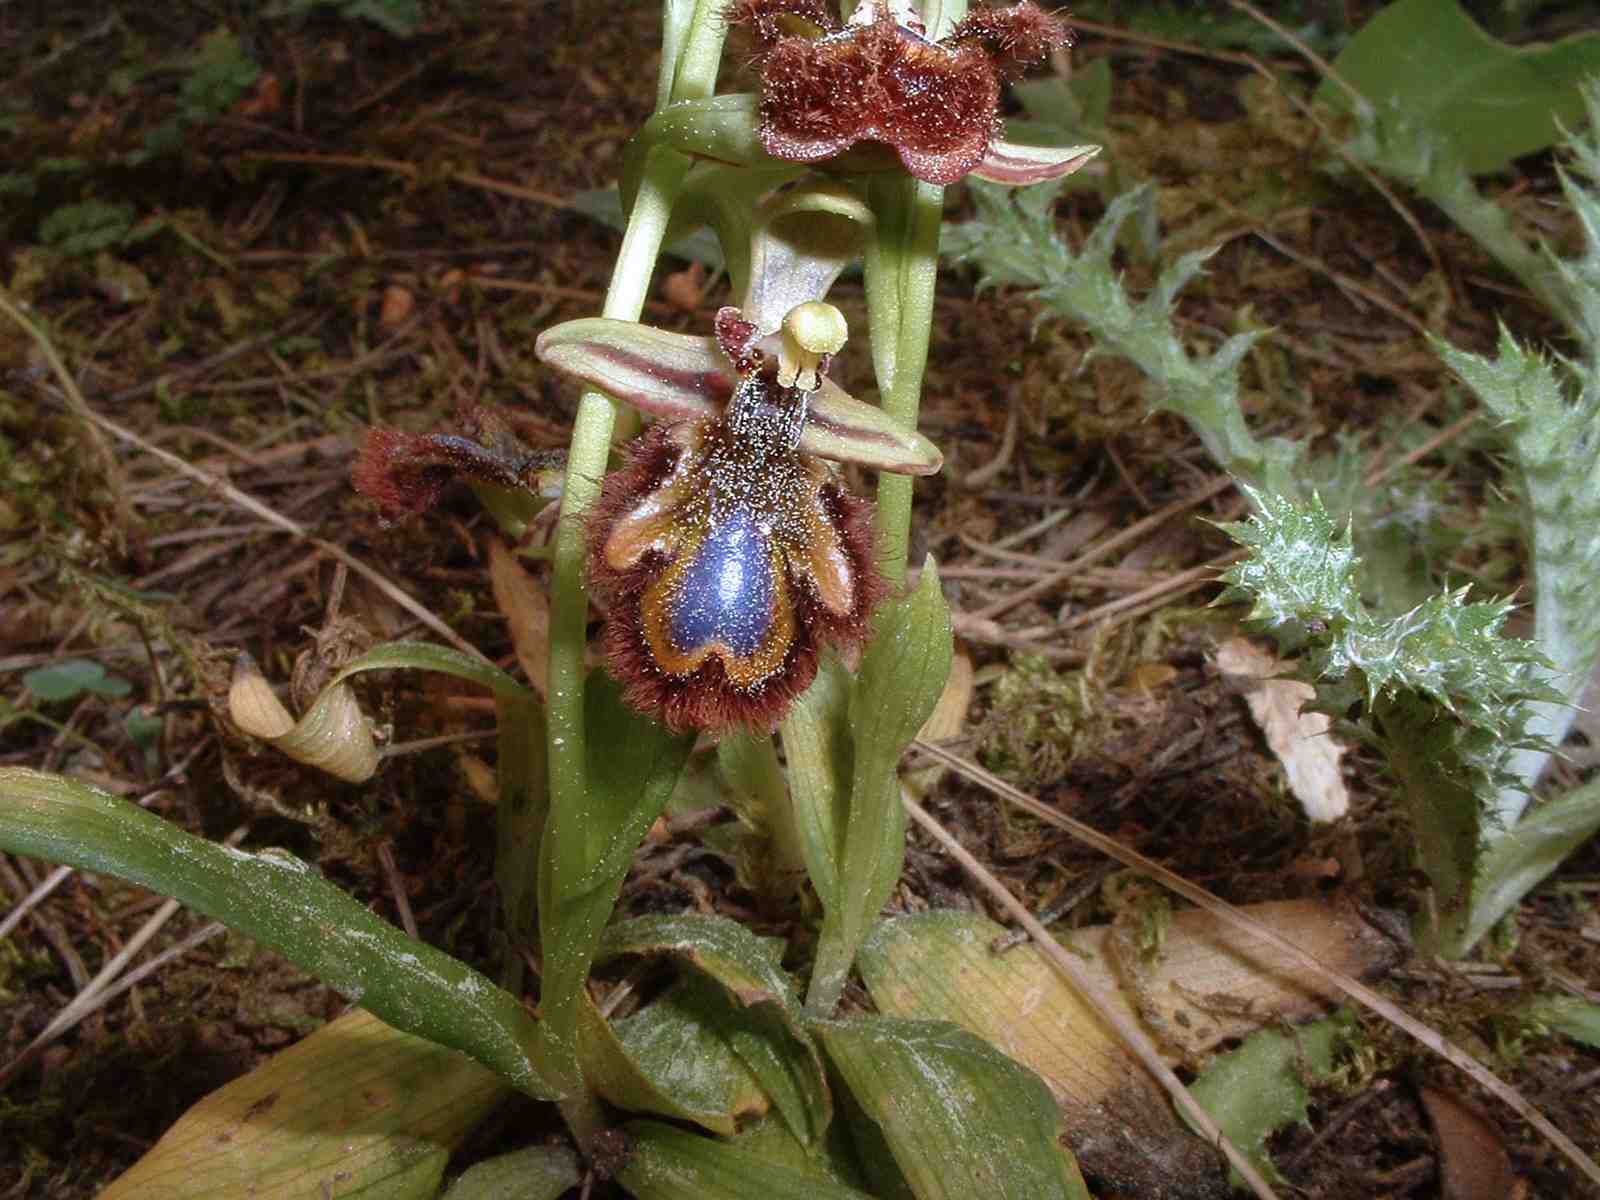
726	593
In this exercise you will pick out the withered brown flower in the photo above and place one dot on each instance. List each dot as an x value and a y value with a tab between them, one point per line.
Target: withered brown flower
827	85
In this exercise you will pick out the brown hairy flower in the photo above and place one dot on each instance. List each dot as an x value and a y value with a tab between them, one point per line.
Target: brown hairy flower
826	85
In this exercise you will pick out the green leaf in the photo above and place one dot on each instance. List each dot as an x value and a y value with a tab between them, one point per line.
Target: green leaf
665	1163
399	17
520	812
1424	64
902	675
938	965
356	1108
632	765
820	752
961	1119
86	228
73	677
533	1173
1577	1019
426	656
766	1030
673	1058
1263	1085
721	948
282	903
1518	859
833	1159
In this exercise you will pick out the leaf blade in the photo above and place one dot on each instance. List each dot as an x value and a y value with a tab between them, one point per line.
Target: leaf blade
283	904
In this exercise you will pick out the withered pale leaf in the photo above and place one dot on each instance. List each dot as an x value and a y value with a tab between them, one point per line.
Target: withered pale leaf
1473	1163
356	1105
1211	983
522	602
1302	741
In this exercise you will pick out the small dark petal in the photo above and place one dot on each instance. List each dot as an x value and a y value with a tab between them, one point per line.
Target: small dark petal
1015	37
736	338
813	99
770	20
405	473
399	473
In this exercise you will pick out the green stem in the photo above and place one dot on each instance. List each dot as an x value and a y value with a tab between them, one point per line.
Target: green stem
901	272
596	423
695	75
587	453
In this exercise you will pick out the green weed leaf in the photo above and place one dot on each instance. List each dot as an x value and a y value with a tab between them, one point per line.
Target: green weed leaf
282	903
1450	700
87	228
1262	1086
1568	1015
74	677
1425	66
1014	242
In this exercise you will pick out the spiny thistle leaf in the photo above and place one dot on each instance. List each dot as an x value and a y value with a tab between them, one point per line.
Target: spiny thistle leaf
1302	582
1014	243
1554	443
1449	701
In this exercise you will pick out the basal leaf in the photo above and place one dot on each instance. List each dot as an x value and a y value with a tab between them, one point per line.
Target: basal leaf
765	1030
665	1163
533	1173
357	1105
673	1058
939	966
284	904
961	1119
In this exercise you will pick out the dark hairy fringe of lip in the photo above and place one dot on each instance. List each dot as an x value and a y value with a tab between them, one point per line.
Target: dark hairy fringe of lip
763	19
1015	37
706	699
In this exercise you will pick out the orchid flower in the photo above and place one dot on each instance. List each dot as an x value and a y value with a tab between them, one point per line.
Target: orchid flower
728	552
827	85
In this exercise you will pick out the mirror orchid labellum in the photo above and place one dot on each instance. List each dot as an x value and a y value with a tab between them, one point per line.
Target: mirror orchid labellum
728	552
827	85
